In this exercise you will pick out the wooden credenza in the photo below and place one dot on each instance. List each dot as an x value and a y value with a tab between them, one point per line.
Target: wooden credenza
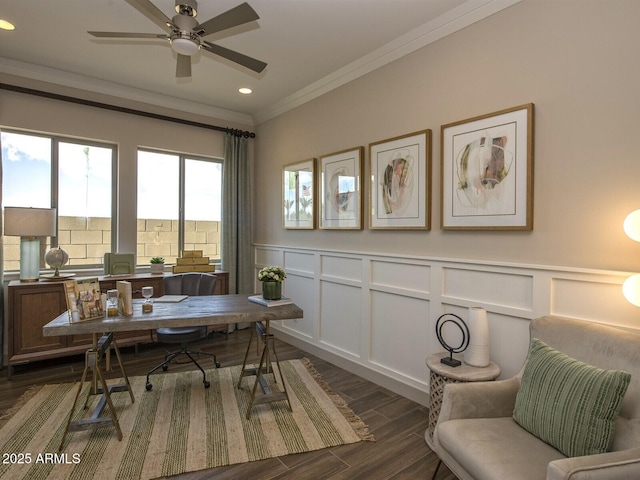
32	305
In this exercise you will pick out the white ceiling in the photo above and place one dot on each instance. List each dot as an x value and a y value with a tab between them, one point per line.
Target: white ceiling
310	46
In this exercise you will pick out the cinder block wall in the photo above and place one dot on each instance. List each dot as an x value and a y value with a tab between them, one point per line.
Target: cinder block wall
159	238
87	239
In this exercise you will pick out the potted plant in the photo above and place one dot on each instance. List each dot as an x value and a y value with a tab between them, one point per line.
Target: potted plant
157	265
271	278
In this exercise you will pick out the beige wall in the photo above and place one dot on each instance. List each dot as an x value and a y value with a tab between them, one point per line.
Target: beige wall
577	61
127	131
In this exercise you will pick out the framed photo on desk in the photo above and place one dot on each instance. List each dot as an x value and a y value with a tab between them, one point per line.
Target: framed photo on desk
84	300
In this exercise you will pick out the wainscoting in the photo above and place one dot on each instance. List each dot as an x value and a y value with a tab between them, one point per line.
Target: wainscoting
375	315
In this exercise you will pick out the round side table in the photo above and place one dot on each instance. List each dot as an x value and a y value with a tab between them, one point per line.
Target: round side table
442	374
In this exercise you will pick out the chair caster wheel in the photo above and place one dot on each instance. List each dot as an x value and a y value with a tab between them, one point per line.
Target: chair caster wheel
207	384
217	364
148	386
165	368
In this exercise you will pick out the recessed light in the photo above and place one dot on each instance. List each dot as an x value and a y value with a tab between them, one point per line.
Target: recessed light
5	25
245	91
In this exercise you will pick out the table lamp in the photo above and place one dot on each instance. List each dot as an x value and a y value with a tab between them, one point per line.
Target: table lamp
29	224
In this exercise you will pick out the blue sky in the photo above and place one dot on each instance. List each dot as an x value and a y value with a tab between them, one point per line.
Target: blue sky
84	185
85	180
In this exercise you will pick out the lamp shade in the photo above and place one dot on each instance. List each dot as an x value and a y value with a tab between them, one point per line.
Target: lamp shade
29	222
631	225
631	289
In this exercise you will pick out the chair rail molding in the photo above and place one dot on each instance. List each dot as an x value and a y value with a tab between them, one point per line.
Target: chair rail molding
375	313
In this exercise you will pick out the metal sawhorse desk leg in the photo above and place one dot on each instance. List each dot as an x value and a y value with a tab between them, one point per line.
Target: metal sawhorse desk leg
265	366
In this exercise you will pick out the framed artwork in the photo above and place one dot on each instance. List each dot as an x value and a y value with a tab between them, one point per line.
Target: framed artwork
340	189
487	171
84	299
400	193
298	192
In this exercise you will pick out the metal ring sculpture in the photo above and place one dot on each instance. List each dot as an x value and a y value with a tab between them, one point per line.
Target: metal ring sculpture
456	320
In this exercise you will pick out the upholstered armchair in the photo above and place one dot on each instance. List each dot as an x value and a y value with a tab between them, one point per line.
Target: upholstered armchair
478	437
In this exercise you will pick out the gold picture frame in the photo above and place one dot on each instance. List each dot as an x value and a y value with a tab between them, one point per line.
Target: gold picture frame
487	171
400	193
340	204
298	195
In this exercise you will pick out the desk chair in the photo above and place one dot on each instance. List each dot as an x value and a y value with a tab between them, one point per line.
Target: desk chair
192	284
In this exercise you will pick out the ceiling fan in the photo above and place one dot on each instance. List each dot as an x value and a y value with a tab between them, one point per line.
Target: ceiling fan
185	33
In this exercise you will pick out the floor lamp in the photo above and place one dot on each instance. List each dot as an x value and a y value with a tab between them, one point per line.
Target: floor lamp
631	286
29	224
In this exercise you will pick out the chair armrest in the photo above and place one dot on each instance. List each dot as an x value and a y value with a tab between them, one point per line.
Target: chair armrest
479	399
621	465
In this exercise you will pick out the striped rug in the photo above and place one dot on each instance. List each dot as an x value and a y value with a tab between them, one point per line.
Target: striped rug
175	428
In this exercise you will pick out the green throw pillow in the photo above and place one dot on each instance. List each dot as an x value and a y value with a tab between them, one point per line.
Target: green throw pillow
567	403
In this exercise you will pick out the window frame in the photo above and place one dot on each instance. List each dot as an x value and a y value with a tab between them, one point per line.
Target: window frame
182	158
56	140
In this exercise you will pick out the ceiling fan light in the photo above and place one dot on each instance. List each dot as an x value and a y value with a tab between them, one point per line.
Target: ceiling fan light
184	46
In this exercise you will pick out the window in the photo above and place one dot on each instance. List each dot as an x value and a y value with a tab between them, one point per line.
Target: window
179	205
74	176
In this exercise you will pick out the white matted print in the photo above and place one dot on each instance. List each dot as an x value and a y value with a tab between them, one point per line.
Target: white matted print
340	189
298	192
400	194
487	171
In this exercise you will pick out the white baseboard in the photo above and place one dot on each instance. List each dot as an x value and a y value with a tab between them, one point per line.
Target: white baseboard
384	381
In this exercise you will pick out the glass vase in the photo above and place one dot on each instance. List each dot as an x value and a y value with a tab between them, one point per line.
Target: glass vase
271	290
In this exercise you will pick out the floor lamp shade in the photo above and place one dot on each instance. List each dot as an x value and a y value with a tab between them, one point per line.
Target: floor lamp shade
29	224
631	286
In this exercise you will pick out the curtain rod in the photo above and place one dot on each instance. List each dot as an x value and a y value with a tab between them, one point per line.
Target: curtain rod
131	111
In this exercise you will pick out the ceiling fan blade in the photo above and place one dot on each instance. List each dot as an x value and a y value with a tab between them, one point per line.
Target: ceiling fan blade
128	35
239	58
183	67
239	15
152	12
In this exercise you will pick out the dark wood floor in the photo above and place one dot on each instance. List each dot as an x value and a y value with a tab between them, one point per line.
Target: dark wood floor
398	424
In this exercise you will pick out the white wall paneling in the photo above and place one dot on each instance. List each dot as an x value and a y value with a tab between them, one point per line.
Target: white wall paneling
342	268
268	256
375	314
500	288
600	300
340	318
406	276
399	324
297	287
300	261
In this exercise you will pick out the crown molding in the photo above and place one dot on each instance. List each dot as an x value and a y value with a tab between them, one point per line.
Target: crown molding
468	13
90	84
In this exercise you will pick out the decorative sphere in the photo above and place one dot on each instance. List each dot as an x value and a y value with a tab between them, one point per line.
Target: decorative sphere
56	257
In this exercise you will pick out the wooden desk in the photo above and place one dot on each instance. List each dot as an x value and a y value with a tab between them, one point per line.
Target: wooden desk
193	311
32	304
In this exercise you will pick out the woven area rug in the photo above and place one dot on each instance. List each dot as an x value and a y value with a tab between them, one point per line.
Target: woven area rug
177	427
